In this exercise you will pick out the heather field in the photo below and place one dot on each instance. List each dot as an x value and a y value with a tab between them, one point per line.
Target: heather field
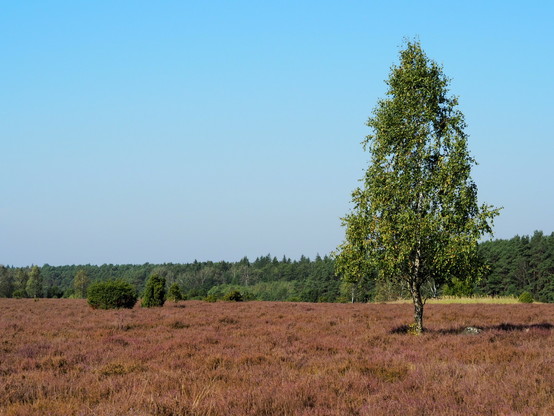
59	357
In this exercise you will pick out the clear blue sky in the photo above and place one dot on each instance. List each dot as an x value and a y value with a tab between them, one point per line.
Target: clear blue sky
141	131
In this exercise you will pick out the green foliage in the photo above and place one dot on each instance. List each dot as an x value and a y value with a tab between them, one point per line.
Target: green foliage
459	287
19	293
20	282
6	282
319	282
34	283
525	297
211	298
519	264
54	292
174	293
416	219
280	290
233	296
154	292
112	294
522	263
220	292
80	283
69	293
387	290
265	278
362	291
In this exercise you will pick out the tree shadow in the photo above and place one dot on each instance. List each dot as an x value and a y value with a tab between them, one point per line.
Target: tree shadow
473	330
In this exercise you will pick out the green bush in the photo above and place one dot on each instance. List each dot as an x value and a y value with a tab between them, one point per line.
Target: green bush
221	291
154	292
525	297
19	293
112	294
210	298
174	293
233	296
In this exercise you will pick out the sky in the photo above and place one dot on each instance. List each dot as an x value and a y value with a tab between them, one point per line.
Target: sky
174	131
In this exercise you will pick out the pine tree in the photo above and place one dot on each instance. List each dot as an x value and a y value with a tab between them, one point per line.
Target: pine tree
6	282
154	292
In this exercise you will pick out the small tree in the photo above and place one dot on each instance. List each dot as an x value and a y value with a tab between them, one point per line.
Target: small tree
80	283
112	294
154	292
416	220
174	293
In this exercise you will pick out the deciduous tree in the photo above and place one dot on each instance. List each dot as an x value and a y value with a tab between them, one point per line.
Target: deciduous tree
416	218
20	283
34	284
80	283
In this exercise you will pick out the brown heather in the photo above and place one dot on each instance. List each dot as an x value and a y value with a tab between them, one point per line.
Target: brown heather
59	357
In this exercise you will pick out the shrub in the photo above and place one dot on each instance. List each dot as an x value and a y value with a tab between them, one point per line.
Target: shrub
220	292
154	292
111	295
174	293
210	298
233	296
19	293
525	297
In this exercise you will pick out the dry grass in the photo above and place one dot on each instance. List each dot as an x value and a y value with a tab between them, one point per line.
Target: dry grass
59	357
446	300
499	300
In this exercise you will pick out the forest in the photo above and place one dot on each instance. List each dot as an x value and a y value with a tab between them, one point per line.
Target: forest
511	267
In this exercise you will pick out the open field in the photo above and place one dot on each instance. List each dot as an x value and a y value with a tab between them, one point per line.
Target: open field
59	357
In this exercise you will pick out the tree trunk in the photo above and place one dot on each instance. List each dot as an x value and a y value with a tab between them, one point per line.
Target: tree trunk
415	290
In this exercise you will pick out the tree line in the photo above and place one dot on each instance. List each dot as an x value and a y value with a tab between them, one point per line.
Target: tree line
511	267
265	278
519	264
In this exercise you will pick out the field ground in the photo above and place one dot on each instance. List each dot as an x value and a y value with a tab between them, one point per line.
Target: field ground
59	357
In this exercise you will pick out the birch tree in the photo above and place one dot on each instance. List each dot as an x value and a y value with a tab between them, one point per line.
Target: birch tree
416	219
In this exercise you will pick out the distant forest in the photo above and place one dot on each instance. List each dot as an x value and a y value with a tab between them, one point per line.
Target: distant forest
520	264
